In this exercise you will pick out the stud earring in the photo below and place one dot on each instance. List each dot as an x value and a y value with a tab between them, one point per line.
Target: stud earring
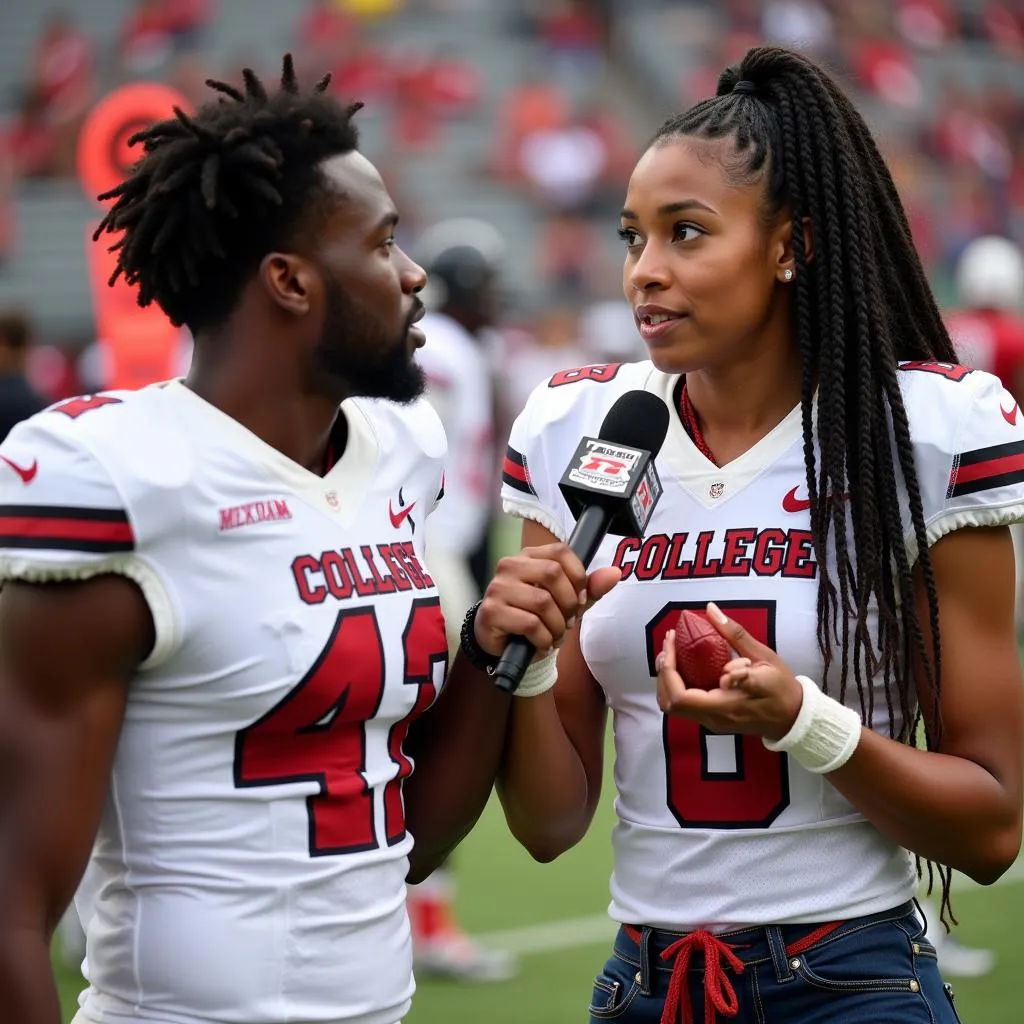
788	275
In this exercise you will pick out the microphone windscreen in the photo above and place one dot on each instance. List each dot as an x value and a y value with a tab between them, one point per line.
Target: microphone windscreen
638	419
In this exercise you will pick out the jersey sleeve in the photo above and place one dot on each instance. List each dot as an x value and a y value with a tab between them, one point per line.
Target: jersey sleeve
969	451
560	411
530	470
63	518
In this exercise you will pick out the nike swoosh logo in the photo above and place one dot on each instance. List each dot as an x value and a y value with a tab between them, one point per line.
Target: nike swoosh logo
1010	415
399	517
791	503
27	475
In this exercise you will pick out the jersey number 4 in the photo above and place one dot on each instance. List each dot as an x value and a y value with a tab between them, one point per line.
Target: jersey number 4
720	781
318	732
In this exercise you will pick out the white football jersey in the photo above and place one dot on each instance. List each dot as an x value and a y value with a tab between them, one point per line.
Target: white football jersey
250	864
713	830
459	387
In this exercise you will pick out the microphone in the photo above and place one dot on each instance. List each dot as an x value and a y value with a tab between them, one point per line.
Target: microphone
611	487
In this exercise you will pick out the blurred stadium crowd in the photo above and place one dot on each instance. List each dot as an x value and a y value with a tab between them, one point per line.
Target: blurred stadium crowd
526	112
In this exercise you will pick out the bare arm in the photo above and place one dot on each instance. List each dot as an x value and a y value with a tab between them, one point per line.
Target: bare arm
962	804
457	745
550	777
67	652
455	748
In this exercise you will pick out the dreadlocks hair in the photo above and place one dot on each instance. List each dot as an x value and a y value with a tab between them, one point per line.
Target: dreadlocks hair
862	304
217	190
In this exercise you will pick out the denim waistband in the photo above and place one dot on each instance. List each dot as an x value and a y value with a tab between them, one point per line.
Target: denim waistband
643	946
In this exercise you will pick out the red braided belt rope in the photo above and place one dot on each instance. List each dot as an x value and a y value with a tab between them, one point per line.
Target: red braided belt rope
719	995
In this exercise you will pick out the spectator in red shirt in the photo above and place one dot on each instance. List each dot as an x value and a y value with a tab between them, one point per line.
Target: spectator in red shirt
926	24
157	29
454	84
878	60
884	67
360	68
700	80
414	120
145	40
535	105
324	33
31	140
968	131
428	88
62	74
63	82
185	20
574	38
1002	22
564	166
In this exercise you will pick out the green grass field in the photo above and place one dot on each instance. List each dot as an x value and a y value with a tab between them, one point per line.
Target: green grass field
502	890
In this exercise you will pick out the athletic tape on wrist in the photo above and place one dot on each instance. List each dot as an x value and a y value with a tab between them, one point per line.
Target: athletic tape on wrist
825	733
539	677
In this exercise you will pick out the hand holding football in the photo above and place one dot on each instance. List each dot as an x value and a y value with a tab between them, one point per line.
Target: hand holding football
701	652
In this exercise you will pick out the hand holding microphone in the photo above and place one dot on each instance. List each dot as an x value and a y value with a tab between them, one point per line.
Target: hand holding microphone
611	487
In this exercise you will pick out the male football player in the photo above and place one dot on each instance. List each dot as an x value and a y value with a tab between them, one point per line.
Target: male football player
217	620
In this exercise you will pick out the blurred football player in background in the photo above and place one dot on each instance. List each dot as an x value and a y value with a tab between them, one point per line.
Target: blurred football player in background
462	258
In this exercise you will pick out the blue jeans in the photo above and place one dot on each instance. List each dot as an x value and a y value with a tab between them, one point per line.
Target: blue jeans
867	970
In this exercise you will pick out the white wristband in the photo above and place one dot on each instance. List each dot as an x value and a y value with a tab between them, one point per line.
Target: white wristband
825	733
539	677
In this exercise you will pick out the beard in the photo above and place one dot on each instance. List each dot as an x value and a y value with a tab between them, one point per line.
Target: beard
358	356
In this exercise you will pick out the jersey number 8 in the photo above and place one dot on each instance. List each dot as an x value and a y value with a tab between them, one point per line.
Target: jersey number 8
748	787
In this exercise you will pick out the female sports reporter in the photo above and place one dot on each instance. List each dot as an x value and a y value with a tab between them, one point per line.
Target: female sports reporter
837	493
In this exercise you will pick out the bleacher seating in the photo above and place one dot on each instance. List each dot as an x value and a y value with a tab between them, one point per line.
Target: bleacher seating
48	273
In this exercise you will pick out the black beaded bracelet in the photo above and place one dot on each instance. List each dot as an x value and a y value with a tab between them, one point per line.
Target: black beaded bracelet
476	655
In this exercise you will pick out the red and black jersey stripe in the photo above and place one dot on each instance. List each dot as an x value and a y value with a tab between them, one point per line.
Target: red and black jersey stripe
513	472
985	468
65	528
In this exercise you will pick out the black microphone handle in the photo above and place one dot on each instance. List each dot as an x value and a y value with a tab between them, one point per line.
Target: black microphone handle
586	537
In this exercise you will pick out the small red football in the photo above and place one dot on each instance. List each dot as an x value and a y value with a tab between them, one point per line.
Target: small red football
701	651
